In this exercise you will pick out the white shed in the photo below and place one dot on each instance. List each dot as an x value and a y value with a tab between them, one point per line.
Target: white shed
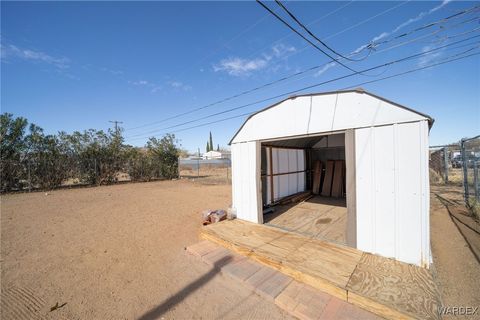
377	151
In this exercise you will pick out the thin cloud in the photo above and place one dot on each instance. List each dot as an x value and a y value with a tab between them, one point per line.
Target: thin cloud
325	68
428	58
385	34
111	71
402	25
140	83
179	85
240	67
11	51
237	66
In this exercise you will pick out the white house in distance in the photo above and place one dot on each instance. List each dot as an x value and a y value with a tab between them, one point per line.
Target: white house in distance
216	155
383	146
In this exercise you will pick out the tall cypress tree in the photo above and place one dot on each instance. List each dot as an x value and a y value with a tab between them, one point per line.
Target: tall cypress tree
211	142
207	148
218	147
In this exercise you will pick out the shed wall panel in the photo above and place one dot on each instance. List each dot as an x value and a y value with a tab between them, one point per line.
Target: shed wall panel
283	162
246	181
392	192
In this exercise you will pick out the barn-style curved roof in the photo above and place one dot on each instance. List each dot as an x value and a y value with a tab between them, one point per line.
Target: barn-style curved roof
324	112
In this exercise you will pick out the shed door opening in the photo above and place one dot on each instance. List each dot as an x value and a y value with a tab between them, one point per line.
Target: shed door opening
304	187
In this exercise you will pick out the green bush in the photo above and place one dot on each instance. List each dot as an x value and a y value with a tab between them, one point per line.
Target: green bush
39	161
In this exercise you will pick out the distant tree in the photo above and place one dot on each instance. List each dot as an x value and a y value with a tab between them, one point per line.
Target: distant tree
12	151
165	155
208	147
211	142
218	147
47	163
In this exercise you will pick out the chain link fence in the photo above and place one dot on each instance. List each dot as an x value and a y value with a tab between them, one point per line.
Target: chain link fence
46	174
458	164
205	171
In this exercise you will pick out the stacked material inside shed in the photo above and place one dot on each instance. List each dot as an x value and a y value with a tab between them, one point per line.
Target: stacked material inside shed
318	168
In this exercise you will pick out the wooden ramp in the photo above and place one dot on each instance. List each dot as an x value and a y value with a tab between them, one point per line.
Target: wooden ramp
386	287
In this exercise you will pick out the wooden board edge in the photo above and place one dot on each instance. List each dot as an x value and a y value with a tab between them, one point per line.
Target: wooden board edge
377	308
318	283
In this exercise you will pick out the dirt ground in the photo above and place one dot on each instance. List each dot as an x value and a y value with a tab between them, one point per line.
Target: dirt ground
456	270
116	252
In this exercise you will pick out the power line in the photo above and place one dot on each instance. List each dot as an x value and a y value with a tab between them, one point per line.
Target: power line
308	87
313	35
309	24
448	60
302	36
312	86
428	25
309	70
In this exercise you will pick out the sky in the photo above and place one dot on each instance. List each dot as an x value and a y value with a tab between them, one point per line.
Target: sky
69	66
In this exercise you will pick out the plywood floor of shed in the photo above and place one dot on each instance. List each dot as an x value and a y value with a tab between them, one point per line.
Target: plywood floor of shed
321	218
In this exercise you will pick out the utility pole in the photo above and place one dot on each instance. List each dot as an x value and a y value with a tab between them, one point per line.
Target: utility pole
116	125
198	164
117	140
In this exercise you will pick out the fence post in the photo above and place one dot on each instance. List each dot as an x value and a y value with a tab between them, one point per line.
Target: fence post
475	180
465	172
29	177
95	168
445	160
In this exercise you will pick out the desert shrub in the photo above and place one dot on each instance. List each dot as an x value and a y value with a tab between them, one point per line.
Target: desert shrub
12	151
164	154
99	155
139	166
435	178
45	162
42	161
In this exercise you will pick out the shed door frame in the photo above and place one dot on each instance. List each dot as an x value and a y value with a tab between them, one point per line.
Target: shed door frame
351	231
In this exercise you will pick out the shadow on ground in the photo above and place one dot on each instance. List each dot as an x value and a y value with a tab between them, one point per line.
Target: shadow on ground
166	305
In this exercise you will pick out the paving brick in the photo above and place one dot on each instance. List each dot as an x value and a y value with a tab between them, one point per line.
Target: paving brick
273	285
341	310
311	303
201	248
220	257
287	299
259	277
241	270
332	309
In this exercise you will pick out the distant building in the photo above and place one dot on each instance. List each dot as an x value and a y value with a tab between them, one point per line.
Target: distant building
216	155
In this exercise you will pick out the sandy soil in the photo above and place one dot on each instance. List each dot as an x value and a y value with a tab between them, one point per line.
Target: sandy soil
116	252
207	175
456	269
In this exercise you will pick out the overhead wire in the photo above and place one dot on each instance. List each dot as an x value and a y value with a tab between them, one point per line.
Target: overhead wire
444	61
294	75
276	81
303	37
310	86
304	27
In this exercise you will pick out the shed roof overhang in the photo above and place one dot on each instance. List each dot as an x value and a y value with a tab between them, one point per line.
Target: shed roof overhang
315	113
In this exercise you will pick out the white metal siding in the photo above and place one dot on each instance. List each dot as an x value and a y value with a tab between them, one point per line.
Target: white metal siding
283	161
323	113
246	181
392	194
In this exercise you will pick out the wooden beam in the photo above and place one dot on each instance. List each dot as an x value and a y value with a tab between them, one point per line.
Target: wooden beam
271	175
337	185
317	176
327	181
